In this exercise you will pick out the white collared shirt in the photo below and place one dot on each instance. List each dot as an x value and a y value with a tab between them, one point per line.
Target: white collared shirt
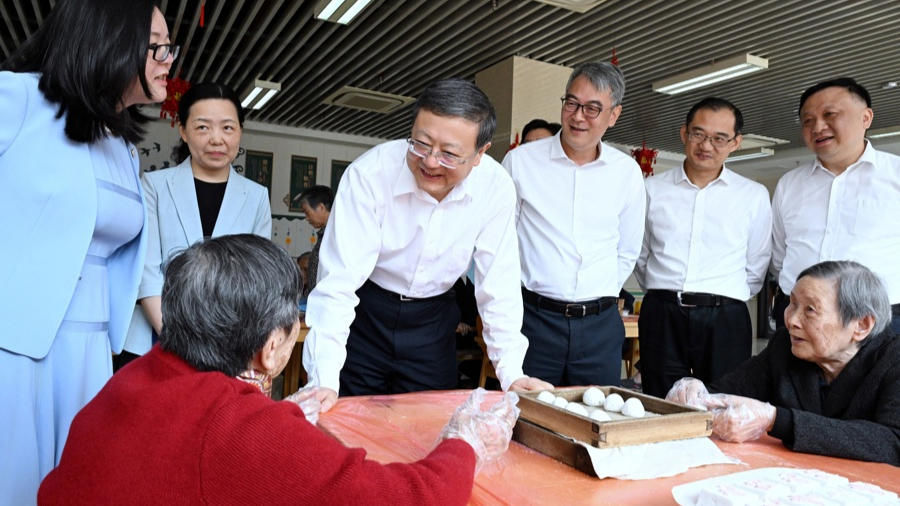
715	239
579	227
383	227
855	216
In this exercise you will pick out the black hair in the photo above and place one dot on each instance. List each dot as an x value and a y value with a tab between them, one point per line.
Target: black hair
315	195
223	297
841	82
537	124
462	99
89	53
717	104
196	93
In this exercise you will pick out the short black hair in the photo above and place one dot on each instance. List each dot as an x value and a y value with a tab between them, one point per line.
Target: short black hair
717	104
223	297
89	53
462	99
847	83
196	93
537	124
315	195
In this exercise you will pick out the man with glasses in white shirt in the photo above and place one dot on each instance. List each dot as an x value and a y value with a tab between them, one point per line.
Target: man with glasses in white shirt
408	218
707	246
845	205
580	224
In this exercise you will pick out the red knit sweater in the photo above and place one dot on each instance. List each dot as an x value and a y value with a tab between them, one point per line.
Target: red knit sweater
162	433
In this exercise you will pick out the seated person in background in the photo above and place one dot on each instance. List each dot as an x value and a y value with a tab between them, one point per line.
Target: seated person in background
303	264
832	375
188	423
539	129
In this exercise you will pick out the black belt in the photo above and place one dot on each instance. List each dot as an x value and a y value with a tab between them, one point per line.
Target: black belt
403	298
692	299
569	309
895	310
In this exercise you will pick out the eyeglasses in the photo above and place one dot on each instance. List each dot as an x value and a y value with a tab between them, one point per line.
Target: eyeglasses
717	140
162	51
590	111
446	160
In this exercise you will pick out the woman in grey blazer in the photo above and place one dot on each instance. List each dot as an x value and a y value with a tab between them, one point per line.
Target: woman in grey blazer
202	197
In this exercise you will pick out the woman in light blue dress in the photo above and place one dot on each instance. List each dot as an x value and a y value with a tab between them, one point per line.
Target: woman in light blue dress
72	220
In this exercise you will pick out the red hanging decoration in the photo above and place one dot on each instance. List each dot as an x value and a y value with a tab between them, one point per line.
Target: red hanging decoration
174	89
615	59
202	13
645	158
515	143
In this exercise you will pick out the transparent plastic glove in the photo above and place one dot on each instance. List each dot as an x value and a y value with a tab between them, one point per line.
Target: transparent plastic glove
690	392
488	432
739	419
306	399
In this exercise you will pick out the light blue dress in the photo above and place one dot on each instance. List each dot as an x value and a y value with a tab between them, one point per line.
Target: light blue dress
48	392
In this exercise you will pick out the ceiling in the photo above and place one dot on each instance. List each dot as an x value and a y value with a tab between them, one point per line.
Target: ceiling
399	46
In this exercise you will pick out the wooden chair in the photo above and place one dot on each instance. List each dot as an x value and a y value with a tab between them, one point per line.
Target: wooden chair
487	368
633	354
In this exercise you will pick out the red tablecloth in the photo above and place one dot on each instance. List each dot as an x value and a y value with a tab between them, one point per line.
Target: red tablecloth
403	428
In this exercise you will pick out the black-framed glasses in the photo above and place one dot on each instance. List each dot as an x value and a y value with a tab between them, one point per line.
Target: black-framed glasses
162	51
718	141
446	160
590	111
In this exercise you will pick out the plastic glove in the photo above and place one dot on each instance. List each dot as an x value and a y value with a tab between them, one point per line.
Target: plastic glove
488	432
306	399
738	419
690	392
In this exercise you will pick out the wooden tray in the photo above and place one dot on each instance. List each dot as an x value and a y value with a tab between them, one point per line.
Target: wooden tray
676	421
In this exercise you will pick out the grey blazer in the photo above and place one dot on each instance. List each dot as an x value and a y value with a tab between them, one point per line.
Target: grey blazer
173	224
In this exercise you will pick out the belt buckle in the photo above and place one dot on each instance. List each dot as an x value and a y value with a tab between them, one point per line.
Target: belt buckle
570	315
404	298
682	304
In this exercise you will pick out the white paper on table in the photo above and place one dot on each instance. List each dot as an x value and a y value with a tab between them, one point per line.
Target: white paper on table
655	460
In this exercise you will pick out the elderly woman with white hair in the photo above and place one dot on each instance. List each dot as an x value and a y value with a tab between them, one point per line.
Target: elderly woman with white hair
828	383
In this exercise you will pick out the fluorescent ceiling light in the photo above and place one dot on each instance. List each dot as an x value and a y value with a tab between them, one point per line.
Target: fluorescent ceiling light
748	154
574	5
760	141
339	11
883	132
254	98
715	72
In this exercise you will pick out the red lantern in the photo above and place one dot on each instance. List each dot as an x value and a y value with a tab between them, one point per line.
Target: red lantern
515	143
645	158
174	89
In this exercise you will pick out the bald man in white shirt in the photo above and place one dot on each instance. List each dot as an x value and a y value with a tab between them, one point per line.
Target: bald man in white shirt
845	205
408	218
580	223
707	246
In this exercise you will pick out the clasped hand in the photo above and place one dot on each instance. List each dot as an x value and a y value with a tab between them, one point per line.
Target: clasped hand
736	419
488	432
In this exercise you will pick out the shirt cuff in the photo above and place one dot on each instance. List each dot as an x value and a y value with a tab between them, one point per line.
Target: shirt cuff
507	376
783	428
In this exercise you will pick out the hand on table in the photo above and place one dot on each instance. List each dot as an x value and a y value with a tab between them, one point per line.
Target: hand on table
690	392
738	419
529	383
307	399
488	432
327	397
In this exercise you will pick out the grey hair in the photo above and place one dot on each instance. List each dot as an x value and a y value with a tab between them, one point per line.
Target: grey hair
462	99
603	76
860	292
223	297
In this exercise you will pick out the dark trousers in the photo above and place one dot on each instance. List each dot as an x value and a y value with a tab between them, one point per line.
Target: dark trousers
399	346
782	301
566	351
702	342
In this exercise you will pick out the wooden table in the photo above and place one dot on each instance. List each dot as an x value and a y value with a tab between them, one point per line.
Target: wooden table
403	428
294	375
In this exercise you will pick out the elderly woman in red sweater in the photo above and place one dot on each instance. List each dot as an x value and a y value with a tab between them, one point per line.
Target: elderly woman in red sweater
189	423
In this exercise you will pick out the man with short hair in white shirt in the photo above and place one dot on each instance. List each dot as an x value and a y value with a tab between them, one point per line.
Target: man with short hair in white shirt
845	205
706	250
408	218
580	223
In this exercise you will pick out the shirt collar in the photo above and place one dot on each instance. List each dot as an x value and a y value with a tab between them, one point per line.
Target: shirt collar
725	176
558	153
869	156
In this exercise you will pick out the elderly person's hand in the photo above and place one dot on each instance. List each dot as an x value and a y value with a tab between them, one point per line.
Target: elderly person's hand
488	432
307	399
690	392
738	419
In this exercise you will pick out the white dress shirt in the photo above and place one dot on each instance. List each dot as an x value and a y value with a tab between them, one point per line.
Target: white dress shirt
855	216
579	227
383	227
715	239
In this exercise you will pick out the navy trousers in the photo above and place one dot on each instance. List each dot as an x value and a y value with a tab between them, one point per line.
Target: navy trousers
399	346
